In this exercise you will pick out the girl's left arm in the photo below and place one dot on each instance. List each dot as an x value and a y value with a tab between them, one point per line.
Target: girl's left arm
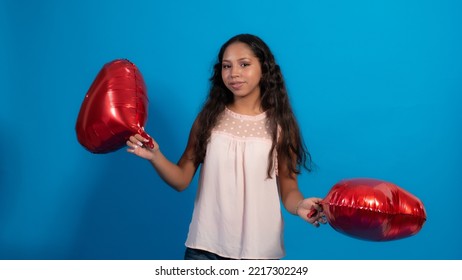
293	199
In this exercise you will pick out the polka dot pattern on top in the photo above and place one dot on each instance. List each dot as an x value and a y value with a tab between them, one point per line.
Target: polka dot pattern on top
243	126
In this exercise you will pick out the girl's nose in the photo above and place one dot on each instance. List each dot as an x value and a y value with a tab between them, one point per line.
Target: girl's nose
235	72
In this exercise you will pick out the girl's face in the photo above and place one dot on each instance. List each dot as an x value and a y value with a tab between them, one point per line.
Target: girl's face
241	70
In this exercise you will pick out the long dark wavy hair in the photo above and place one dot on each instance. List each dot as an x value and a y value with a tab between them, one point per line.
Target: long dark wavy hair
274	101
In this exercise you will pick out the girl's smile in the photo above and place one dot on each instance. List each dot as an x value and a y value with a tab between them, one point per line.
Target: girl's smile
236	85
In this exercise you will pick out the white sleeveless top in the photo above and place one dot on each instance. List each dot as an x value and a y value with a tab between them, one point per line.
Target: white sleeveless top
237	211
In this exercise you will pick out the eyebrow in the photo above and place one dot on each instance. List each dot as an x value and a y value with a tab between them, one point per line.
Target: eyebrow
239	59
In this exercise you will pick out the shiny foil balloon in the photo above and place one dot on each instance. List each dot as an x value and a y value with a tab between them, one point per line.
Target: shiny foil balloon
115	107
373	210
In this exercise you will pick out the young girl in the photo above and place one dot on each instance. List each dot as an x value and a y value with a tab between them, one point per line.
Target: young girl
249	144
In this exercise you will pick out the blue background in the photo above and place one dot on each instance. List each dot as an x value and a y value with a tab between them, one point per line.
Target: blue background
376	87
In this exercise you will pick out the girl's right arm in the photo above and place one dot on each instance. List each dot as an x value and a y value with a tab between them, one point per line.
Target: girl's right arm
179	175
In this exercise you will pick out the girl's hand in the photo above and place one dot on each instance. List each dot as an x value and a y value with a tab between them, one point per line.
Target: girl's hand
138	145
310	210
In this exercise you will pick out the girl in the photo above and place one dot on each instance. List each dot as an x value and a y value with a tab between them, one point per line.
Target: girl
249	144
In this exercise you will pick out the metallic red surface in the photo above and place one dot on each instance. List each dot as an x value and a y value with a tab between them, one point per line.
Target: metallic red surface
373	210
115	107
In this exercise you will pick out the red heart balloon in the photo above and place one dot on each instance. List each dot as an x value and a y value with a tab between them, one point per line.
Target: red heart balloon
373	209
115	107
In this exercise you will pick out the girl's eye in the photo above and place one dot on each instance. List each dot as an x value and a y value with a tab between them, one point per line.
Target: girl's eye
245	64
226	66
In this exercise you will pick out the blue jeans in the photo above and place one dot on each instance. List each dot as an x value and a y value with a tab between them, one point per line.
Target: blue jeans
196	254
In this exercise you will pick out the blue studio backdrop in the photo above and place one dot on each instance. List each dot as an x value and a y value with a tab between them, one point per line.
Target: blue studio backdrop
376	87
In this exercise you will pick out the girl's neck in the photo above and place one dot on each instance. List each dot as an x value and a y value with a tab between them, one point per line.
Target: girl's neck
246	107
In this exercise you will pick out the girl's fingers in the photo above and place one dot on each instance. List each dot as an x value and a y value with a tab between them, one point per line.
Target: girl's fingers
313	212
136	140
318	205
134	144
317	216
141	138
